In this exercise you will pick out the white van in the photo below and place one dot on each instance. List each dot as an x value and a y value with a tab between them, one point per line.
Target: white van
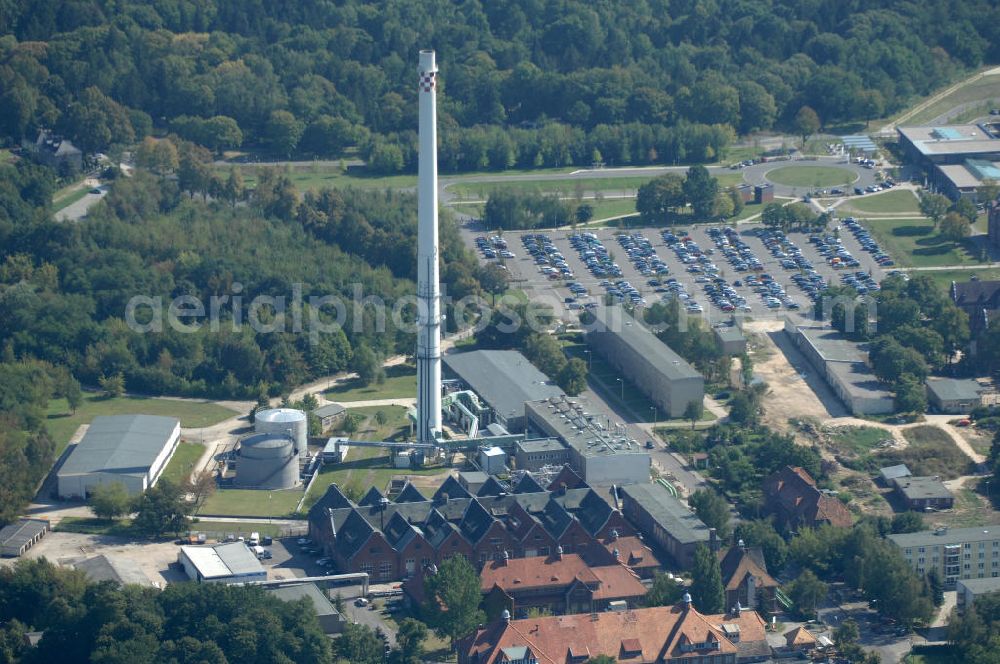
254	539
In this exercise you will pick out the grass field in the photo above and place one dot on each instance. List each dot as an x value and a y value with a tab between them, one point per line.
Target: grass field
308	176
987	87
239	528
400	383
913	243
251	502
811	176
95	526
625	186
61	423
68	195
943	278
857	440
896	201
182	463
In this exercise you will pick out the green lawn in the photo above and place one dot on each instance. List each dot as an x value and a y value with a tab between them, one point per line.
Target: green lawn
811	176
626	185
614	207
898	200
857	440
61	423
913	243
943	278
252	502
123	527
240	528
400	382
67	199
987	87
182	463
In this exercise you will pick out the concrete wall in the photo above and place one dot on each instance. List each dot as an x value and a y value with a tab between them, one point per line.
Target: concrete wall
605	470
535	460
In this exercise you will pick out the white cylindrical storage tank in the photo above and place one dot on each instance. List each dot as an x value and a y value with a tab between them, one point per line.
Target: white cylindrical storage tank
267	461
288	421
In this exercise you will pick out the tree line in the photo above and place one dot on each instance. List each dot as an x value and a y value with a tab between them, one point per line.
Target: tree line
317	77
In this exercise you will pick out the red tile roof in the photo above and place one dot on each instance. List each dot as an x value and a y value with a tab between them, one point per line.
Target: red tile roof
794	493
536	572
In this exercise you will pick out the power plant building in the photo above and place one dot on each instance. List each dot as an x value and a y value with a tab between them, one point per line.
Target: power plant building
505	380
288	421
630	347
267	461
600	452
130	449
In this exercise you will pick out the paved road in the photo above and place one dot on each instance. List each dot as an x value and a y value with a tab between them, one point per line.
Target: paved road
78	210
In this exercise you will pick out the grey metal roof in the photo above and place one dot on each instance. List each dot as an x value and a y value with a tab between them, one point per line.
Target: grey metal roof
918	488
637	336
329	410
890	473
238	558
583	428
505	379
120	570
21	532
954	389
124	444
308	591
682	524
946	536
729	333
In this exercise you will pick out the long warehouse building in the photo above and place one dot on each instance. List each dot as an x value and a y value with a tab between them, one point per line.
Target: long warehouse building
131	449
645	361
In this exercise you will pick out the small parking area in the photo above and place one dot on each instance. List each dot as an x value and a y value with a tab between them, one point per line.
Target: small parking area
717	271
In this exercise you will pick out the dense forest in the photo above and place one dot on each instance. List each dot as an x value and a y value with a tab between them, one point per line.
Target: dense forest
524	82
207	623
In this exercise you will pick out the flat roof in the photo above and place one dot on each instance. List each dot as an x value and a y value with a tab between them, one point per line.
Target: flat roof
675	518
950	140
540	445
505	379
829	343
959	175
123	444
950	389
919	488
308	591
642	341
574	421
221	560
894	472
119	570
981	586
946	536
860	380
21	532
729	333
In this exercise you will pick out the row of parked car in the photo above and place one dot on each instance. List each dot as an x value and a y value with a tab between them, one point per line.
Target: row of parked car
548	258
860	281
832	249
493	247
739	254
594	255
622	290
868	243
642	254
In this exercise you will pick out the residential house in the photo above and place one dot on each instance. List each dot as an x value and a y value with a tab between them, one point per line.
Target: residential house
746	581
793	497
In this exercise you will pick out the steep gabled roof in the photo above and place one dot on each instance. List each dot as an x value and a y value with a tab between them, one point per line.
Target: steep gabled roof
738	562
491	487
555	519
593	512
399	532
410	494
528	484
451	489
567	478
373	497
333	499
475	522
352	535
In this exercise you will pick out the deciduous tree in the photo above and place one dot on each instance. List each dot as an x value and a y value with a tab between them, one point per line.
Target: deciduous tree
453	596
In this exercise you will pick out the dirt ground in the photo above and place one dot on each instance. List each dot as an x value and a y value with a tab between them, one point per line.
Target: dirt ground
795	390
68	548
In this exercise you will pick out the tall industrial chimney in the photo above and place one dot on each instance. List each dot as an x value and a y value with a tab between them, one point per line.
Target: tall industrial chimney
428	290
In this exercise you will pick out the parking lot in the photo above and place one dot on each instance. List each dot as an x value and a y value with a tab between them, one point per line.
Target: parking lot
716	271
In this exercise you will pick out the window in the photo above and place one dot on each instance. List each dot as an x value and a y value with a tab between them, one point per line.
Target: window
921	549
385	570
368	568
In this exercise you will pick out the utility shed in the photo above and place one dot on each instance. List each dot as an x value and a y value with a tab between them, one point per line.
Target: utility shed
730	339
505	380
328	414
924	493
329	619
131	449
953	395
223	563
21	535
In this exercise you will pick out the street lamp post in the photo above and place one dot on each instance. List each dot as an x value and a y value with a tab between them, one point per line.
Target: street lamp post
653	408
589	358
622	383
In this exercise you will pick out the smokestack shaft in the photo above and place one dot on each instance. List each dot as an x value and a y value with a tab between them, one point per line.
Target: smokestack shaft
428	289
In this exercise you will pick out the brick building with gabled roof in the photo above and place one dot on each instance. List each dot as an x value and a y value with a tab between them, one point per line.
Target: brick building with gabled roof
559	583
393	540
792	495
746	581
643	636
